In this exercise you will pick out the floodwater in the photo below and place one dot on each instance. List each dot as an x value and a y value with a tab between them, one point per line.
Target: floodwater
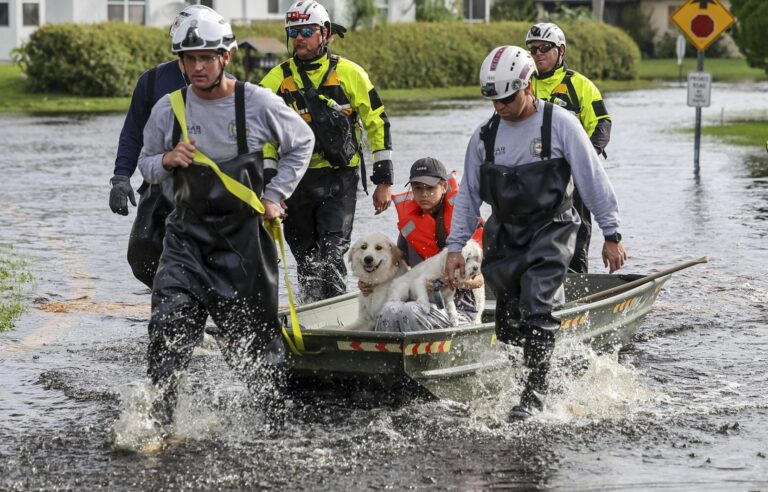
683	408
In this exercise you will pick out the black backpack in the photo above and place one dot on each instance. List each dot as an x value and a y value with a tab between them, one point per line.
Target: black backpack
333	129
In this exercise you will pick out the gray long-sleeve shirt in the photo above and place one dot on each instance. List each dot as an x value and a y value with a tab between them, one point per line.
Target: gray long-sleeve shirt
519	143
211	123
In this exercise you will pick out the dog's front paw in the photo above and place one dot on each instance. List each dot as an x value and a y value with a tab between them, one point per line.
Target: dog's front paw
425	306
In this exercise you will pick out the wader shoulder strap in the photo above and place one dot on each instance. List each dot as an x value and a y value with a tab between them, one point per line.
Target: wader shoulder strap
488	136
572	91
546	132
235	187
242	142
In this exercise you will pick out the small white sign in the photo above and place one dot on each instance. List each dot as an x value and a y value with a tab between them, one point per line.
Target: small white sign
699	89
680	49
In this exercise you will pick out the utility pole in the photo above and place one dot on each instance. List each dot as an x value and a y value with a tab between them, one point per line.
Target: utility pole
598	7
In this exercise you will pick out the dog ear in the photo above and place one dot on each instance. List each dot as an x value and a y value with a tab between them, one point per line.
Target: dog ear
397	254
352	251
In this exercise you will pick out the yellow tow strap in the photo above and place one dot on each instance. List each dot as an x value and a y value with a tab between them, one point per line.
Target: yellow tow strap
296	344
274	226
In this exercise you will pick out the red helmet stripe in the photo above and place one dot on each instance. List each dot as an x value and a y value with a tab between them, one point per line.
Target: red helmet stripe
497	57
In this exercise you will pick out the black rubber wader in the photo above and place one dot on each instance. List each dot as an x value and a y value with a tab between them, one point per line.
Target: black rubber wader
528	244
580	260
318	229
217	259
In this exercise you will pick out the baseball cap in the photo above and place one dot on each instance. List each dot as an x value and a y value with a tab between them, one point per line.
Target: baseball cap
429	171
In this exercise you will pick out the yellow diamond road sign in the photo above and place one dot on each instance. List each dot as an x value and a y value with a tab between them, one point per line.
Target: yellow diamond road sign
702	21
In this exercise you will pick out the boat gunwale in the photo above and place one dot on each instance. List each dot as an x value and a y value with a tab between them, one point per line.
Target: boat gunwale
568	310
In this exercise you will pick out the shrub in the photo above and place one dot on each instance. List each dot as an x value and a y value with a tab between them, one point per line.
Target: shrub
90	59
106	59
449	54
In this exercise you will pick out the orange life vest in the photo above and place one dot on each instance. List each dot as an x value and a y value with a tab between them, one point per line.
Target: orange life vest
419	229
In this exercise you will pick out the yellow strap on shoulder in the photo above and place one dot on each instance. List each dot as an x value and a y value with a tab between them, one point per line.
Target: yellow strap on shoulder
295	343
274	227
232	185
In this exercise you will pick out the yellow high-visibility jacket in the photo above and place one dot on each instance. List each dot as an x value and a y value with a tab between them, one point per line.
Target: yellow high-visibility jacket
349	86
574	92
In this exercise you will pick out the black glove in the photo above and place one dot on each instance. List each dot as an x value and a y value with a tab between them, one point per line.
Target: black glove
120	194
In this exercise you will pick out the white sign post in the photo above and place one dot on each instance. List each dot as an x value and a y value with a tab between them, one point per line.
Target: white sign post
680	51
699	89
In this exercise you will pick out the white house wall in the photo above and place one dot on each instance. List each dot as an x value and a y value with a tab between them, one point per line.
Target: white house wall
160	13
15	33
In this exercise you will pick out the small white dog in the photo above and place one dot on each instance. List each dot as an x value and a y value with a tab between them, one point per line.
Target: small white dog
375	260
413	284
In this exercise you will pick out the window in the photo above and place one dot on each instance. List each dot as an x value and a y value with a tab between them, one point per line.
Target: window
127	11
4	14
30	14
273	7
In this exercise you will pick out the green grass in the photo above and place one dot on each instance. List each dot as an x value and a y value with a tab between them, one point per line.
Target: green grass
722	69
16	98
14	281
745	133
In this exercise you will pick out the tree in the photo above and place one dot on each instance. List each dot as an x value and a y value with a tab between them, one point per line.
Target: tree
362	13
636	21
749	31
437	10
514	10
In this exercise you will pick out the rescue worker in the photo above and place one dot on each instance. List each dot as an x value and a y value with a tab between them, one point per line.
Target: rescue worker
573	91
217	257
524	162
144	249
424	220
334	96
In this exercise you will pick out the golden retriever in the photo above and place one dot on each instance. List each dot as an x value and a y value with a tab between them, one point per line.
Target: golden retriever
375	260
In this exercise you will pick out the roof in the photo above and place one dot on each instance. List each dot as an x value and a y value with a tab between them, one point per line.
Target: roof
264	45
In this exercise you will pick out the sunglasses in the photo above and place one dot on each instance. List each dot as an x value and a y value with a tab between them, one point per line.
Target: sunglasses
306	32
506	100
544	48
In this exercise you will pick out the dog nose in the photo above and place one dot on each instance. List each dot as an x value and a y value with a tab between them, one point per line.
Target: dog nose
368	260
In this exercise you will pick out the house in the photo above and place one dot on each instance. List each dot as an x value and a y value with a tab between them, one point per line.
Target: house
20	18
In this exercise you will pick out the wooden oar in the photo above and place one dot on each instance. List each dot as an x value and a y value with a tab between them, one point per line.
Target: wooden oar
640	281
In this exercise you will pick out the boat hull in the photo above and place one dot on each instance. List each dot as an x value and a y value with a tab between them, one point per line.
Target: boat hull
460	363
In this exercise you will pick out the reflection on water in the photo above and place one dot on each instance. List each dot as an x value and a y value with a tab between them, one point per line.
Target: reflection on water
682	406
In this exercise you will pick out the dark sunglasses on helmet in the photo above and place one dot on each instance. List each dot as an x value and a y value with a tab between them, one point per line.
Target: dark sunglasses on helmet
306	32
544	48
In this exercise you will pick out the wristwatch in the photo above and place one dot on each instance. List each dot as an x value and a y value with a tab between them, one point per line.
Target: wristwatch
614	238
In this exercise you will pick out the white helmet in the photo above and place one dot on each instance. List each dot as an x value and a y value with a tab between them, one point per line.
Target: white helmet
546	31
306	12
184	14
203	29
506	70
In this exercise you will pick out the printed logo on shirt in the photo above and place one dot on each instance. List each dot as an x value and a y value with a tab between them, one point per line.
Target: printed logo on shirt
535	147
194	129
499	151
232	130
